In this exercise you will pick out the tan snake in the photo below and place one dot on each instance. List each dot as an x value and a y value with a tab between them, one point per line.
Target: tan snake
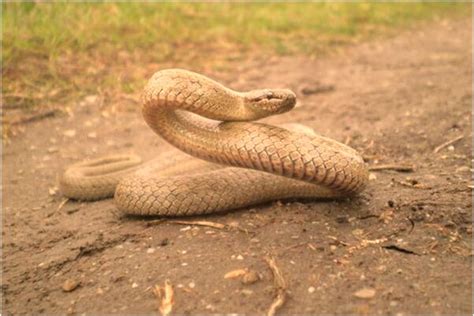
251	162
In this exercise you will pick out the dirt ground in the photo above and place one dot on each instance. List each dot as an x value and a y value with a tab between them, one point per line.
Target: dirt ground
402	247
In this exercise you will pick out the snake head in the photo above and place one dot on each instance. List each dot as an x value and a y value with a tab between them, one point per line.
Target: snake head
266	102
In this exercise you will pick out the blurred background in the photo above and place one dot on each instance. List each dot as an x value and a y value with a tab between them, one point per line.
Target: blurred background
55	53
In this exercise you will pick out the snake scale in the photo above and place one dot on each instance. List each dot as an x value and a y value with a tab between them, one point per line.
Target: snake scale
241	162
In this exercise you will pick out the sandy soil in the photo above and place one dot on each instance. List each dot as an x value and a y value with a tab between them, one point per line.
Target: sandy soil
402	247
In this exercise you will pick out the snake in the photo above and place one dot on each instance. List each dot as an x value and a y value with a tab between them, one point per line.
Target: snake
223	158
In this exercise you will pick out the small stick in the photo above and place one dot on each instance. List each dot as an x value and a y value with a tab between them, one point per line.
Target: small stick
294	246
280	285
446	144
401	168
35	117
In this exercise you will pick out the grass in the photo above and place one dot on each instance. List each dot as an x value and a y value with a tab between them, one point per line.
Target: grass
56	52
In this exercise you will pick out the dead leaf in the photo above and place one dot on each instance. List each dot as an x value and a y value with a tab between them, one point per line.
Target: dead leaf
165	296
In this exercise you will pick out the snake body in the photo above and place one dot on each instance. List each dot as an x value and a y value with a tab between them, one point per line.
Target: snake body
247	162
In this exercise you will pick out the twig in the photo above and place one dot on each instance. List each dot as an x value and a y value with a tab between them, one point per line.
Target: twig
446	144
62	204
35	117
280	285
401	168
200	223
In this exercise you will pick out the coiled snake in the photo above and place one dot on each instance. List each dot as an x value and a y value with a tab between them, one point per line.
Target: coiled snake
251	162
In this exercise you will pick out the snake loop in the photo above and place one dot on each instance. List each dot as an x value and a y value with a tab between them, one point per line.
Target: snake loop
264	162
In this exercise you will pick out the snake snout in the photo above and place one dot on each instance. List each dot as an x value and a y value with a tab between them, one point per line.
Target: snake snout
271	101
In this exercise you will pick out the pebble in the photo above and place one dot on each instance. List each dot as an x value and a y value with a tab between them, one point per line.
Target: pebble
134	285
311	289
250	277
192	285
246	292
69	133
239	257
150	250
365	293
70	285
92	135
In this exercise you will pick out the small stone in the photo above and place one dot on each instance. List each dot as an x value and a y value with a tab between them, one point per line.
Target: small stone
210	307
246	292
357	232
451	148
92	135
91	99
150	250
100	291
372	176
184	264
311	289
134	285
70	285
164	242
250	277
53	190
69	133
53	149
365	293
192	285
239	257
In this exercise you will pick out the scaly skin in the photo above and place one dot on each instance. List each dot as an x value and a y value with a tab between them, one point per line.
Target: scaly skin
278	163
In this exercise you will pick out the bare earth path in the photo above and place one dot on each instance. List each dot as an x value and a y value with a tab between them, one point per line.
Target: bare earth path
406	240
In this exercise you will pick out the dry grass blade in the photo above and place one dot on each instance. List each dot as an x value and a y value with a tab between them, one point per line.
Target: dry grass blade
165	296
280	285
200	223
446	144
62	204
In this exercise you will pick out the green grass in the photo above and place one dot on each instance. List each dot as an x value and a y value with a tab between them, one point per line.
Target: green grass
53	51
